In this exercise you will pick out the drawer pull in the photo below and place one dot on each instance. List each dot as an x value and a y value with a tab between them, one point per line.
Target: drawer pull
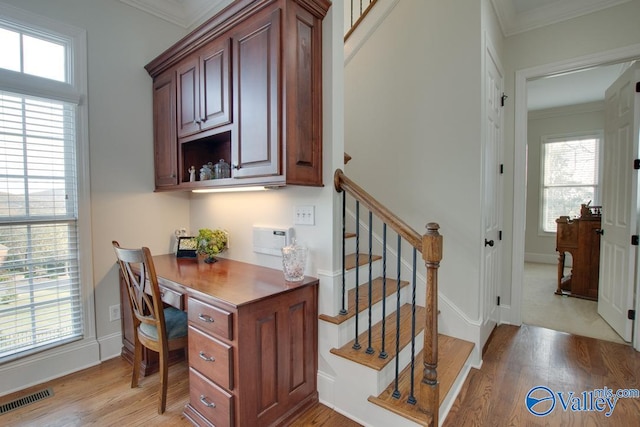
206	358
205	318
204	401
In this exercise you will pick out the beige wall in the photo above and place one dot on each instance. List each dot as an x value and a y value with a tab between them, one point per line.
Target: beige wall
541	247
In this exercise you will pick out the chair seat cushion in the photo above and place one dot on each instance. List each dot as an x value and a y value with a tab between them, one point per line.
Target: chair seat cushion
175	322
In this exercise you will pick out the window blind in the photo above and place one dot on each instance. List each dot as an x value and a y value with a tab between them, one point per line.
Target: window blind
570	178
40	298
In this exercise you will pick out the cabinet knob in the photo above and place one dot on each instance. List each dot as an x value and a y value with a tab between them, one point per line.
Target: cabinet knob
599	231
236	166
488	242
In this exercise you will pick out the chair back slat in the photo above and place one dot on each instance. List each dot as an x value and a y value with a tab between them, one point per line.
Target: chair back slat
140	277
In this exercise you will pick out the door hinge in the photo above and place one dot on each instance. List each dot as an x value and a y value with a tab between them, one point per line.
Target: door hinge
501	168
631	315
498	301
635	239
636	164
500	235
503	98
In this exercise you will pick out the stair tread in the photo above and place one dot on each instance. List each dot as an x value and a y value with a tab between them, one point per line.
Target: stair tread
350	260
452	356
363	298
373	360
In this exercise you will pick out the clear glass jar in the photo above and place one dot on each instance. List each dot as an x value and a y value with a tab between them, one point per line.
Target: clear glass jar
222	170
294	261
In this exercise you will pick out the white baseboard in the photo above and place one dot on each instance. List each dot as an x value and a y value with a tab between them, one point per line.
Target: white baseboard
110	346
42	367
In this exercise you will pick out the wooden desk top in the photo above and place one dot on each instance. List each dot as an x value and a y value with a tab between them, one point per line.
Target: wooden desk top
236	283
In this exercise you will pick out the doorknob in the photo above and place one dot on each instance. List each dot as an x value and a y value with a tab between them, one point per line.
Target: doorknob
599	231
488	242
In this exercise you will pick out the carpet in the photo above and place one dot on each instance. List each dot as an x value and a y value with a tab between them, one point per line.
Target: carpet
542	307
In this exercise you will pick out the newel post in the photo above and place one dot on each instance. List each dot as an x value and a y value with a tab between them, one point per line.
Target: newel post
429	388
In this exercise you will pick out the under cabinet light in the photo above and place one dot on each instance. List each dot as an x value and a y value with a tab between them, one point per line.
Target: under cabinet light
231	189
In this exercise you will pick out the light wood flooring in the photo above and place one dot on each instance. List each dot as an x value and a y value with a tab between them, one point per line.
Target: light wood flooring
516	359
102	396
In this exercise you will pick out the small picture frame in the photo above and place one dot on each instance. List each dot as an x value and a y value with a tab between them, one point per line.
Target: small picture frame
187	247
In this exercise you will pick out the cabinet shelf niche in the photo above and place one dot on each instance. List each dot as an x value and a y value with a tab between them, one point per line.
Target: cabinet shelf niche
199	152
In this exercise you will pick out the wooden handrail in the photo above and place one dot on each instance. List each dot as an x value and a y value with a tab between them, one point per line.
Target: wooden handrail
359	20
430	245
343	183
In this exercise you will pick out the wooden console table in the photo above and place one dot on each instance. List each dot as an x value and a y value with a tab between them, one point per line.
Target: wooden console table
253	340
581	238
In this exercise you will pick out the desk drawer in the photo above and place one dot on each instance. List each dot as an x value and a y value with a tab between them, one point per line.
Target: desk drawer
212	402
210	319
211	357
168	296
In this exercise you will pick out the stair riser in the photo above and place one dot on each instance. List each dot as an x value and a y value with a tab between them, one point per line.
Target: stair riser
352	395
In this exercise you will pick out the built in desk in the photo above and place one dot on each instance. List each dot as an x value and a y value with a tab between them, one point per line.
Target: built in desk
252	340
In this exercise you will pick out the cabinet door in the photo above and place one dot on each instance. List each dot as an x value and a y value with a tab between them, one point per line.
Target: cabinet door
303	65
165	139
188	97
256	150
215	108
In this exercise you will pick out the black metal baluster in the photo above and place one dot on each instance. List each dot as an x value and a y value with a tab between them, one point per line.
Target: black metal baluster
343	311
396	391
412	399
356	344
383	354
369	348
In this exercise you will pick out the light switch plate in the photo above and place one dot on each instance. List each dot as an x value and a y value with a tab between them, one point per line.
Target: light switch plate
304	215
271	240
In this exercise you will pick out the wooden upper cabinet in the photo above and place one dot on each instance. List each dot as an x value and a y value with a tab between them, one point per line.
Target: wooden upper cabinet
164	130
248	88
303	65
203	89
256	150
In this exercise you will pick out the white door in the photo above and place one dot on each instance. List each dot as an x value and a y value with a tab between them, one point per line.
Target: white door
492	191
620	202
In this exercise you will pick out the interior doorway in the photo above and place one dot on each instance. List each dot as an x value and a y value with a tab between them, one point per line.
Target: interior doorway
520	157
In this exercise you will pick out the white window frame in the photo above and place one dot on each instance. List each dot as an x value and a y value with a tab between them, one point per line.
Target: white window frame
574	136
48	364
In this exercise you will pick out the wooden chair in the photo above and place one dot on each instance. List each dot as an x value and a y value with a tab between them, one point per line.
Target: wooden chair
155	327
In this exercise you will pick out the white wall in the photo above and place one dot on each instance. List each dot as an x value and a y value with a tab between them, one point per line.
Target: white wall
599	32
541	247
120	40
412	101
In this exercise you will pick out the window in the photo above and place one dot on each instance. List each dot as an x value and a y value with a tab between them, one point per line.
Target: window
41	298
570	176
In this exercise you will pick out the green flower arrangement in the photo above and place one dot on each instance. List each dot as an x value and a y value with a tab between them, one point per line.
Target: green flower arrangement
211	242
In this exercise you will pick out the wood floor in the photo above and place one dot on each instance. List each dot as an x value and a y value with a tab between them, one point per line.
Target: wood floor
516	360
102	396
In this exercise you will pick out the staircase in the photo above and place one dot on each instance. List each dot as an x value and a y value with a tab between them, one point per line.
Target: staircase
390	365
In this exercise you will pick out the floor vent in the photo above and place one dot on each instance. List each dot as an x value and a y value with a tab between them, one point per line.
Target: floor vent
25	400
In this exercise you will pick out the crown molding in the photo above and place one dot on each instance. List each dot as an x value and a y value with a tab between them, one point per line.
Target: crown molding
184	13
513	22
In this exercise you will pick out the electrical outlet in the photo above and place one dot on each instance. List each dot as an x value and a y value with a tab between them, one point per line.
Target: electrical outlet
304	215
114	312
